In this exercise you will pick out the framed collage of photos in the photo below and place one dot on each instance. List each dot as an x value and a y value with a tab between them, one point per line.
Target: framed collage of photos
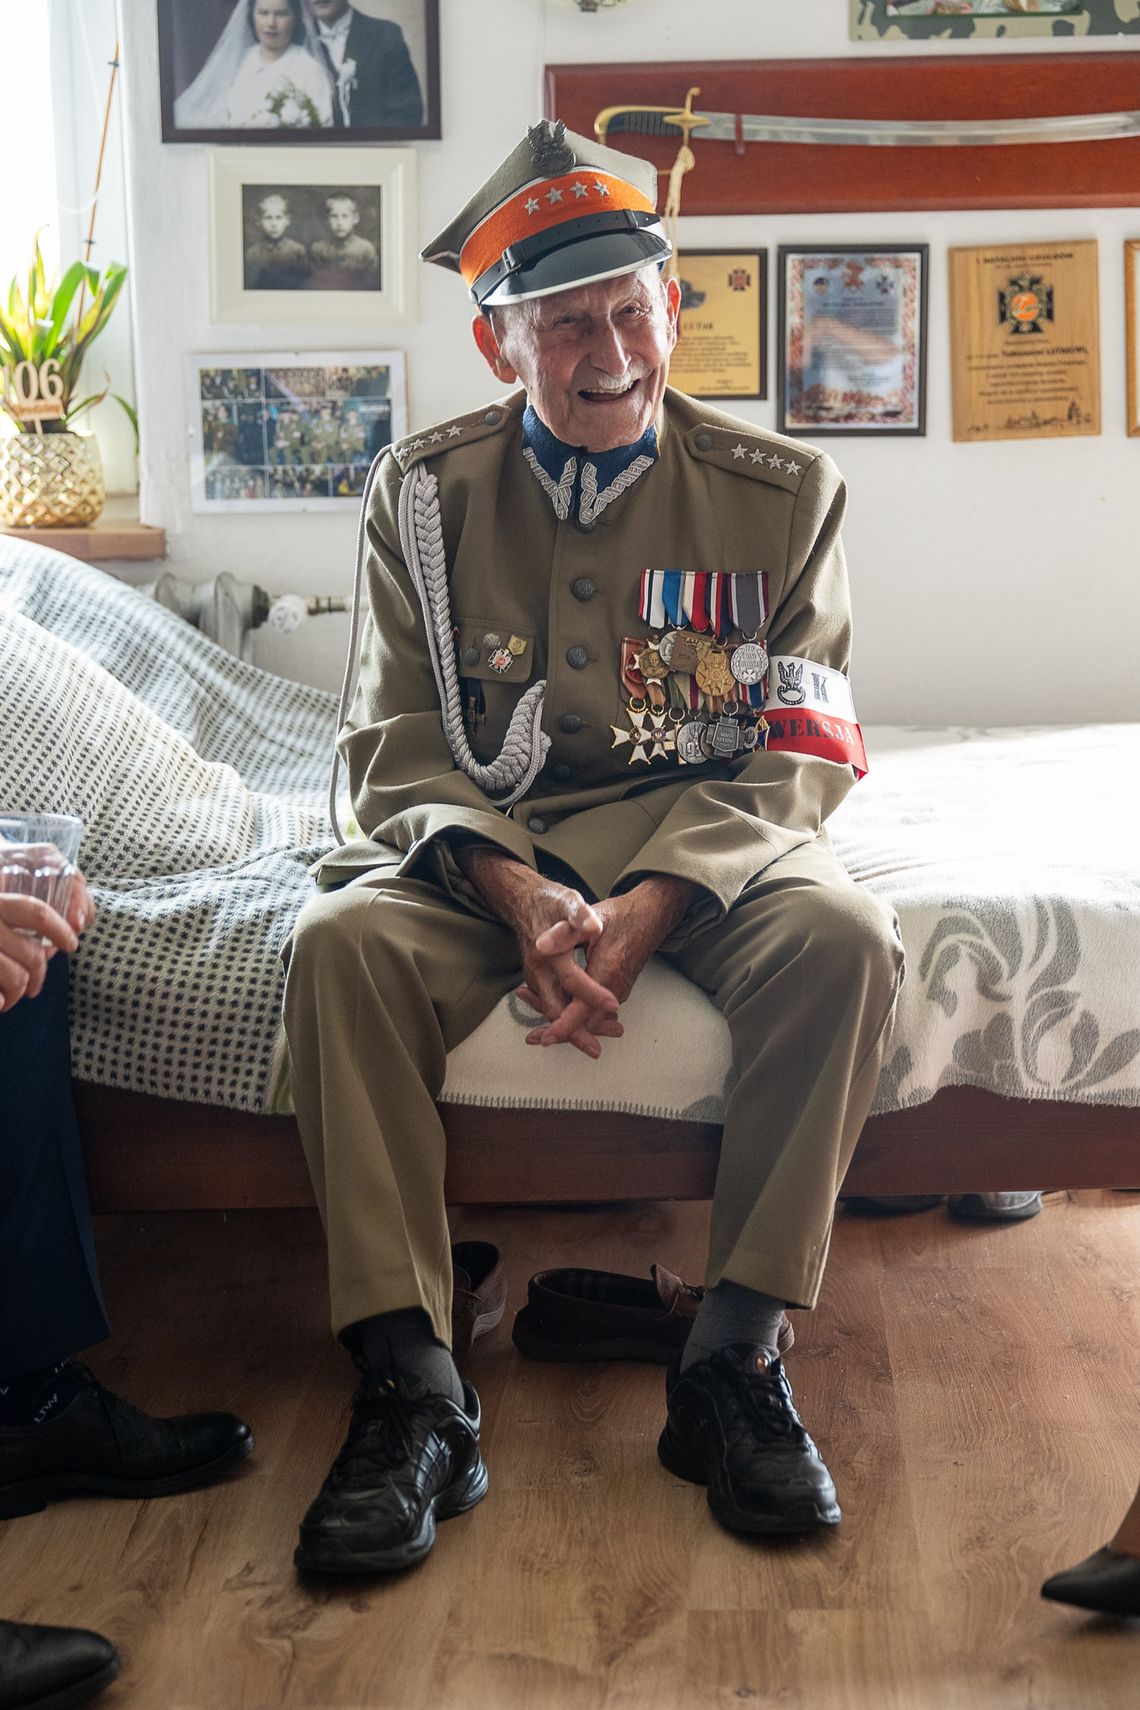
293	430
852	340
310	239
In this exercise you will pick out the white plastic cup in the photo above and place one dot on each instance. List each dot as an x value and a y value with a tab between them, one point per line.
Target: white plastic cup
38	856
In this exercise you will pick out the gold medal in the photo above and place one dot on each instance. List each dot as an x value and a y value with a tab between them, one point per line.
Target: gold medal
517	646
651	664
714	674
684	655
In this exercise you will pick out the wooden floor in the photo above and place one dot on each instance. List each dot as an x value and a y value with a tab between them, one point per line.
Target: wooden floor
974	1391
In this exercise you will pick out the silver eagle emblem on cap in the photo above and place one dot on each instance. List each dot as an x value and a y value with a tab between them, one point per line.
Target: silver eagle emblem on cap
549	149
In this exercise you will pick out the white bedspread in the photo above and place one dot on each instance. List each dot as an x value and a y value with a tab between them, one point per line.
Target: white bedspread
1011	856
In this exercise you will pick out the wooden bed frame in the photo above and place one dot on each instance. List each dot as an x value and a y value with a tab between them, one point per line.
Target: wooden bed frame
153	1154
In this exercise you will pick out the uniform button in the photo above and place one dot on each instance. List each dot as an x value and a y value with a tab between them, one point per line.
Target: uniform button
704	442
471	656
493	418
570	723
562	772
536	824
582	588
577	658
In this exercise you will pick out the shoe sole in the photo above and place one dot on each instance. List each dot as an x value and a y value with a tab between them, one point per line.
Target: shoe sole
805	1515
30	1496
337	1558
79	1692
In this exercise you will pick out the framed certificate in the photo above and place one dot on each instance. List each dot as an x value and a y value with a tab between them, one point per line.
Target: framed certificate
722	348
1131	331
1025	341
852	340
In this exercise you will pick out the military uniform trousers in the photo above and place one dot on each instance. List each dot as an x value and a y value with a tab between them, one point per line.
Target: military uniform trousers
386	975
50	1301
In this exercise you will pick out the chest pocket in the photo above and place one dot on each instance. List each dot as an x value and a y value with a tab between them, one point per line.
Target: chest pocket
490	652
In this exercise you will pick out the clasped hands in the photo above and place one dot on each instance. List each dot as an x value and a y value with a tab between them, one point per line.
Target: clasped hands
553	923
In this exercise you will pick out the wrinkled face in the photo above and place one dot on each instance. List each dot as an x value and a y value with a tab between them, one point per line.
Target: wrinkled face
328	11
342	218
594	359
273	24
274	217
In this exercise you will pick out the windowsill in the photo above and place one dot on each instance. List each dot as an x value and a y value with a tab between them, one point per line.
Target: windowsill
117	533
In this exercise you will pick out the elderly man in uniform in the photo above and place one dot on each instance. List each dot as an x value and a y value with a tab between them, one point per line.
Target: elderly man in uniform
602	713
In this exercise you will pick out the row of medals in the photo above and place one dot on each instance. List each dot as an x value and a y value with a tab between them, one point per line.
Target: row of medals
731	726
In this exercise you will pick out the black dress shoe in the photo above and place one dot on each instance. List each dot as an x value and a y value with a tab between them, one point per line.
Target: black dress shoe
1105	1582
53	1668
99	1445
410	1458
732	1425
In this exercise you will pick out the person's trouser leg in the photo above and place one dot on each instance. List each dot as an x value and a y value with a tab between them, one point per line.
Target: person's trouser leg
50	1301
805	968
383	978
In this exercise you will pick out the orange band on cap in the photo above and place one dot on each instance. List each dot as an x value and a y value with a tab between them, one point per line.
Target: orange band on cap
547	203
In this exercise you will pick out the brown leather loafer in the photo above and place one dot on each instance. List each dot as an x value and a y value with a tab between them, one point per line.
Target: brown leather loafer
577	1314
478	1296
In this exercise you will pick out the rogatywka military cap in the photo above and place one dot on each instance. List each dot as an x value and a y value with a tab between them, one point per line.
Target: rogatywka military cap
560	211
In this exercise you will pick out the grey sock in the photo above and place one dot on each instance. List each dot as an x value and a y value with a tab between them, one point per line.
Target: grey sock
406	1339
732	1313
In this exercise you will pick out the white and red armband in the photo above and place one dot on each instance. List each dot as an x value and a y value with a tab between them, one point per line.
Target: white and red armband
809	710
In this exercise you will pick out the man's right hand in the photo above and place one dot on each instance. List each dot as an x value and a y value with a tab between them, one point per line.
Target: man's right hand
530	904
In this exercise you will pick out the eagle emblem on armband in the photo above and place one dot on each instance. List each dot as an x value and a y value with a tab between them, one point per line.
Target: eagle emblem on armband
791	687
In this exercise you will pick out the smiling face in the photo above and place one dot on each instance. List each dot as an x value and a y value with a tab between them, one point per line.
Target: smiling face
273	24
594	360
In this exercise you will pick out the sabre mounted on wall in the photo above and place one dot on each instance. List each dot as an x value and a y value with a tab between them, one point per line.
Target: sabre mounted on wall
683	125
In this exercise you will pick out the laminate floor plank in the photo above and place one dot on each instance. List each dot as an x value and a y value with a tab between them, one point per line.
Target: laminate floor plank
974	1391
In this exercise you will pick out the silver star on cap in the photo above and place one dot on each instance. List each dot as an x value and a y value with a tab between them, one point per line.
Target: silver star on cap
553	195
532	204
602	189
580	190
738	451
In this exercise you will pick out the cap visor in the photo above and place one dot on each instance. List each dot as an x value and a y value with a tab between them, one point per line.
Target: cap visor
606	255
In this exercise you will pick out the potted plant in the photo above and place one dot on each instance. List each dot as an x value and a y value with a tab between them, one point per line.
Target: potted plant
51	476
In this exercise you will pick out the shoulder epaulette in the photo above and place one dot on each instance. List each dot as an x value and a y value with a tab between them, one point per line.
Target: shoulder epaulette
765	457
445	436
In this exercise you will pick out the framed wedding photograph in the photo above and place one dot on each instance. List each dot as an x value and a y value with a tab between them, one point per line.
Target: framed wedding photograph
313	238
291	431
298	71
722	348
852	330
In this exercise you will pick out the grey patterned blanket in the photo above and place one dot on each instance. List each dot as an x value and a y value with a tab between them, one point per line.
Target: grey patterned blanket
200	780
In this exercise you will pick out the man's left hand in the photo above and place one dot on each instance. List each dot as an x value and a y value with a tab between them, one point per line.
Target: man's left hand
636	924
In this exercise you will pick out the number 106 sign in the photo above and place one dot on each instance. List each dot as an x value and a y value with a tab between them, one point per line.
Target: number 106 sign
32	393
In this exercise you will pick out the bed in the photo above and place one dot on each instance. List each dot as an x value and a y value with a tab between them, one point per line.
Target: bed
201	780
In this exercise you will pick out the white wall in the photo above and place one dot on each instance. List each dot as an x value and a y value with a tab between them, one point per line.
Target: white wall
977	570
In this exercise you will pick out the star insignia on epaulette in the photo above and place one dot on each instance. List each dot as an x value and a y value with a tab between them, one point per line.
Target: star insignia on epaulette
454	432
416	445
775	462
793	468
434	438
757	457
738	451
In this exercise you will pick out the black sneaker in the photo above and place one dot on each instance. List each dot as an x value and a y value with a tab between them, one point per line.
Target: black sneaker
410	1458
99	1445
732	1426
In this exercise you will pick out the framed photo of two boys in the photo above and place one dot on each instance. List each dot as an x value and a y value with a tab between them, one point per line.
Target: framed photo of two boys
299	71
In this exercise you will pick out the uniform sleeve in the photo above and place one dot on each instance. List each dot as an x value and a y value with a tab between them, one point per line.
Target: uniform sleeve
406	788
722	832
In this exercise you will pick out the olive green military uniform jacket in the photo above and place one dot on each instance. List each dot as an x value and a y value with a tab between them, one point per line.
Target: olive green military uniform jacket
721	497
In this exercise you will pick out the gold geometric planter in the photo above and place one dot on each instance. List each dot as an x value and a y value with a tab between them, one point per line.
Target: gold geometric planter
50	480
